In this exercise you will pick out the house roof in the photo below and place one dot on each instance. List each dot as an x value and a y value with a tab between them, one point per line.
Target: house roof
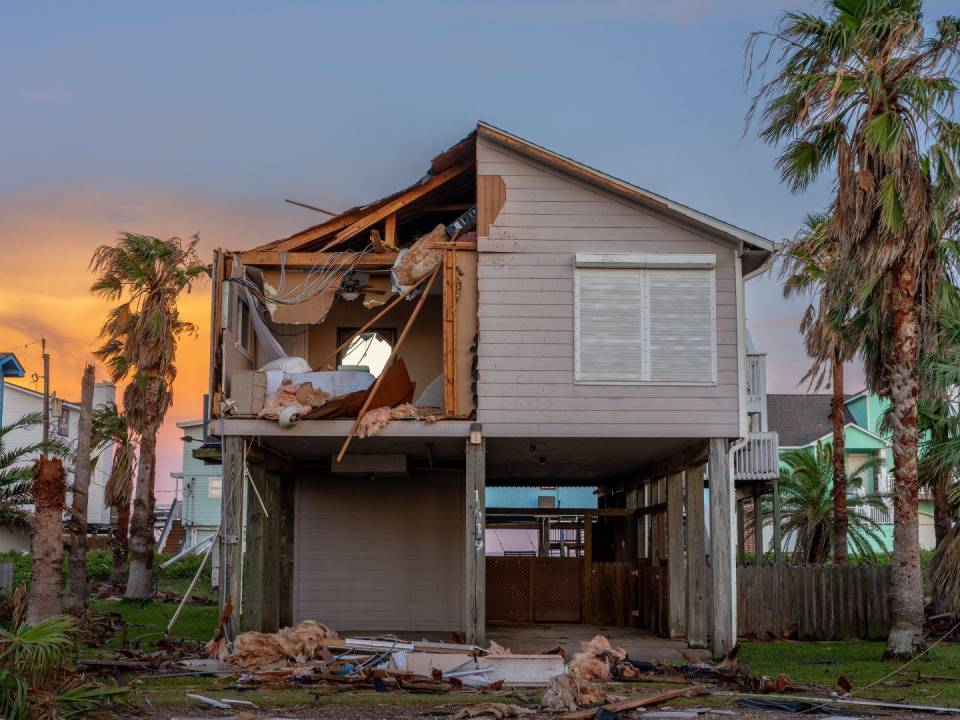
10	366
801	419
35	394
465	150
622	187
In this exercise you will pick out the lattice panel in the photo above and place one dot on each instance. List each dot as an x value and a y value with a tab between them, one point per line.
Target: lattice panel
508	589
556	589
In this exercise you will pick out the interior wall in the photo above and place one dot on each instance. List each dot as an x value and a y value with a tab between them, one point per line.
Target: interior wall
422	351
380	554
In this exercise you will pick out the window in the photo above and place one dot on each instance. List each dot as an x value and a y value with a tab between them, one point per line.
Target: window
369	349
645	319
243	325
215	487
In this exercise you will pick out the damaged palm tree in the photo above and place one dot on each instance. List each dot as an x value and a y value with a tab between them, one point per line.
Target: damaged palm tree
75	596
46	542
110	426
139	343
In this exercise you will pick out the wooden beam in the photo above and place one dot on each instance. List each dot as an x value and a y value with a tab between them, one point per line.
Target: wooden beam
757	531
697	613
723	564
446	207
676	565
230	542
553	512
390	360
587	568
449	331
307	260
415	193
475	577
310	207
452	245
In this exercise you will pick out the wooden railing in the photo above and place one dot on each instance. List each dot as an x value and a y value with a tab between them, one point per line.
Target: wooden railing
759	459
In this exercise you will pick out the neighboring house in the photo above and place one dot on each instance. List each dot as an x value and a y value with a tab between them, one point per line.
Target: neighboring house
803	422
590	333
533	535
201	488
14	537
64	425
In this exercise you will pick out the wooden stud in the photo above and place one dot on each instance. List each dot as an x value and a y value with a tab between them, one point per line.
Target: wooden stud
390	232
724	569
390	360
697	613
676	571
474	598
449	331
253	567
588	610
287	519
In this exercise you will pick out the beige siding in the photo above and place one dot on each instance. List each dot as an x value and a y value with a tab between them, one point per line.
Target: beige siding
526	352
380	554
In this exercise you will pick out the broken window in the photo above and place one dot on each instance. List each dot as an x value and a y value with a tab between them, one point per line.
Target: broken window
369	350
639	321
243	326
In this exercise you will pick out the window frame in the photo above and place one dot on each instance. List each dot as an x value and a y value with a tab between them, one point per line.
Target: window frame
244	323
645	261
219	481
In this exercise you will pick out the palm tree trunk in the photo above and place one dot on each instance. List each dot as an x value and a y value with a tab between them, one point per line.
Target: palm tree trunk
139	581
120	547
46	541
906	584
75	597
942	515
837	410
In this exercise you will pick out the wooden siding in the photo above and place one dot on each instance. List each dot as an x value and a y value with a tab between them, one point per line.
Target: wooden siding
380	554
526	353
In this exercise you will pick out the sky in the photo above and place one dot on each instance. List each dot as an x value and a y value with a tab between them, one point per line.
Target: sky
178	118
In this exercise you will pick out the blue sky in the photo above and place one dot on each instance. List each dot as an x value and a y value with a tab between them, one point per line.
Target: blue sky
176	117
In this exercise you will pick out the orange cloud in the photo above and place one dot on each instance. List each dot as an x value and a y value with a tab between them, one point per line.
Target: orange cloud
48	236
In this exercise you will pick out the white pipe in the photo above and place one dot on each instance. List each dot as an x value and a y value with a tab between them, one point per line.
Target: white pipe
186	595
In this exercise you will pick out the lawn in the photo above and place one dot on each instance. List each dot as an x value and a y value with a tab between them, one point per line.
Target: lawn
821	663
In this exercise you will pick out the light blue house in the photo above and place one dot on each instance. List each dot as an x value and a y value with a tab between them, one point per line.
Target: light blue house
535	535
202	488
9	367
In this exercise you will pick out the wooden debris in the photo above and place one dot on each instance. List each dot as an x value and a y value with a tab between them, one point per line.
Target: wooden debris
633	703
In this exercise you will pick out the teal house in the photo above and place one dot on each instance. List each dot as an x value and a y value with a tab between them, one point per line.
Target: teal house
201	488
803	422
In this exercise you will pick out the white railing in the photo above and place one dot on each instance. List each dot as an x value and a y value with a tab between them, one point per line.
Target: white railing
880	515
759	459
756	382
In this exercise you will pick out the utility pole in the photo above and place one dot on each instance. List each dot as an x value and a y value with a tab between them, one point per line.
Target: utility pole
46	391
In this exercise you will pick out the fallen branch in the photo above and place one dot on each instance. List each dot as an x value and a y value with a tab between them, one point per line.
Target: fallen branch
624	705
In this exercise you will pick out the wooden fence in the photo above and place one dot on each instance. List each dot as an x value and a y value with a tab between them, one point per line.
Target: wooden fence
813	602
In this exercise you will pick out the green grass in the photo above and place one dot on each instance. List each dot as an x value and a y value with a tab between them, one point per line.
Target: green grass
821	663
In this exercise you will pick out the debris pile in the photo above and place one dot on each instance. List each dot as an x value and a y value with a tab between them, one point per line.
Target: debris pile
304	642
598	660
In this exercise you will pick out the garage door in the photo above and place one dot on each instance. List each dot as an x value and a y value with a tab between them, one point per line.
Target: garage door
380	555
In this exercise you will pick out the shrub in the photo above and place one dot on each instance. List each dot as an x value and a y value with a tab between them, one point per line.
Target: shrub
99	565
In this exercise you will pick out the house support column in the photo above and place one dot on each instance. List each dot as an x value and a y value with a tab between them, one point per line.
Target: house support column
231	559
543	543
676	575
777	527
697	619
287	523
474	597
757	530
724	569
261	568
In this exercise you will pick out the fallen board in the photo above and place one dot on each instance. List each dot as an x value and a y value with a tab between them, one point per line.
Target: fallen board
511	669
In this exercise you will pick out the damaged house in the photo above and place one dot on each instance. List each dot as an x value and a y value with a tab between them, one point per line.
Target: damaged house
514	318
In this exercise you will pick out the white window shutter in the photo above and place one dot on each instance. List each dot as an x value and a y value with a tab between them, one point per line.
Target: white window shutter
681	325
609	337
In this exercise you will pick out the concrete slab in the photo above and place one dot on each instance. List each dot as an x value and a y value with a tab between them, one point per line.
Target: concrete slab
640	644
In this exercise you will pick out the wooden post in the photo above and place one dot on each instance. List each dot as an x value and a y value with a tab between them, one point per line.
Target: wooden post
251	592
697	618
287	520
676	575
75	597
777	528
230	547
474	597
587	568
543	544
724	568
757	530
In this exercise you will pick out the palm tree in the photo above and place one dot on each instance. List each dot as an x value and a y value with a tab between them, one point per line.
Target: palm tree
808	509
110	426
863	92
805	268
140	342
16	469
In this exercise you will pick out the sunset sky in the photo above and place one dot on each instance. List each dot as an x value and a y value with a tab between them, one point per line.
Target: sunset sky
178	118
